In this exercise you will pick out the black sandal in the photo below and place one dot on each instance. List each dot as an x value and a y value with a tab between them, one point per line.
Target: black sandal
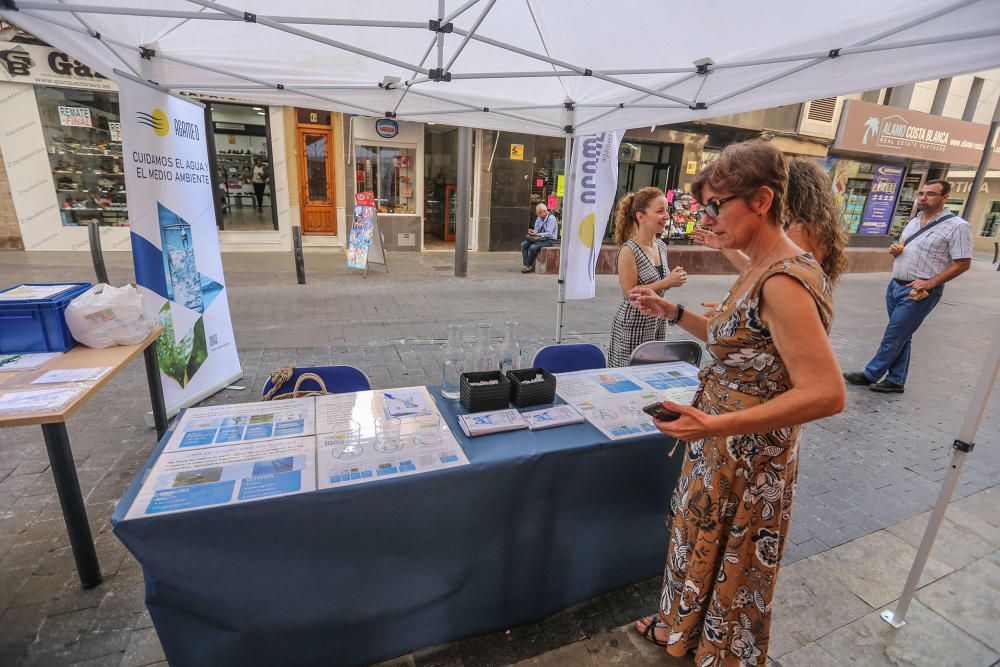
649	634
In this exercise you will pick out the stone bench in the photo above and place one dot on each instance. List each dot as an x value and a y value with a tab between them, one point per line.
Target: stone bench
698	260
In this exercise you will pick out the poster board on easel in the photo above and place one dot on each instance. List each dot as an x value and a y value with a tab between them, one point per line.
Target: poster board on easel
364	243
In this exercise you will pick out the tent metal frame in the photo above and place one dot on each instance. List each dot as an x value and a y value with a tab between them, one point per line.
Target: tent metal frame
441	27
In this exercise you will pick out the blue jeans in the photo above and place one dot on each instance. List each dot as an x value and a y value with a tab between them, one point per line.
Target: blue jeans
905	317
529	250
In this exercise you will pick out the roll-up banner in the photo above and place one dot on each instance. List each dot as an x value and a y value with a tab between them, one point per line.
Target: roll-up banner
595	160
175	242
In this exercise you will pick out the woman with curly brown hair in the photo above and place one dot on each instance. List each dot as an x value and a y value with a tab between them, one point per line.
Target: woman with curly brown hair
811	220
772	369
642	261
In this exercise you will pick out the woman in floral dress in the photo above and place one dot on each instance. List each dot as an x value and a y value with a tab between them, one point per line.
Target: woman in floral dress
772	369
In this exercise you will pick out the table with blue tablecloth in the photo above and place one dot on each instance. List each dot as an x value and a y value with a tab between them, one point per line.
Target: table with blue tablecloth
538	521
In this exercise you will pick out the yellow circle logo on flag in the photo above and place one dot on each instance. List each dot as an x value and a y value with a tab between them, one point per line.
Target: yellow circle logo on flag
587	231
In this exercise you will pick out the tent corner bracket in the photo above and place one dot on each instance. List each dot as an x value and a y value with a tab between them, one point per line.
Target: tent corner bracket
834	53
435	25
249	17
147	53
962	446
698	106
438	74
390	114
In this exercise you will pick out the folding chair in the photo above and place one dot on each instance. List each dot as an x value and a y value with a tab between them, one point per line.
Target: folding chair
659	351
338	379
565	358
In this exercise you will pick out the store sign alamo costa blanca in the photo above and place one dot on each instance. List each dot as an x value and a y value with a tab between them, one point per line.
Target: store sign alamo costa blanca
891	131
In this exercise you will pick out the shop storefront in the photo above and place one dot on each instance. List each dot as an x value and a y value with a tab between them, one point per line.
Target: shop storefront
62	151
388	160
881	156
985	214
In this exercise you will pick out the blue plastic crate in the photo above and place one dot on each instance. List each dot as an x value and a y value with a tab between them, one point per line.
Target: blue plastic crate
37	325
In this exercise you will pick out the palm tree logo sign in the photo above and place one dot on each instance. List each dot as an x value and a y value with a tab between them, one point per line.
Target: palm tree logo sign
871	127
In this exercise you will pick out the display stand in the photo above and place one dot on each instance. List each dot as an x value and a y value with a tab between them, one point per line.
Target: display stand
376	253
364	242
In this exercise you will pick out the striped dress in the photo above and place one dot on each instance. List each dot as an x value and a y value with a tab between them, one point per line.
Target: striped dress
630	328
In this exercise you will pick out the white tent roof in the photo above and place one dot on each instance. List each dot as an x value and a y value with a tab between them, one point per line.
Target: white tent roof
626	64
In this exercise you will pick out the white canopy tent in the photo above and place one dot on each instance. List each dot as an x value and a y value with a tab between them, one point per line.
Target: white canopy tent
552	67
511	64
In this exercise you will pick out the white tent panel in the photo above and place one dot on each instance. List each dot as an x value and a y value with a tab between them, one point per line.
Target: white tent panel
550	36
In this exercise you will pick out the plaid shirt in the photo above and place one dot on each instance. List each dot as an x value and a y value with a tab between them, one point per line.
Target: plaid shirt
933	251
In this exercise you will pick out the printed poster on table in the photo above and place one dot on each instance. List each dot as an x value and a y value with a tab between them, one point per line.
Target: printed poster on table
881	199
175	242
189	480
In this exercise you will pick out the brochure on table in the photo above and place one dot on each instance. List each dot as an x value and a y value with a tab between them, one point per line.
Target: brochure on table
612	398
25	361
210	476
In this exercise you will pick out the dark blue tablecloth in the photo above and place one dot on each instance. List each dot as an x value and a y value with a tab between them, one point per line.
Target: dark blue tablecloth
538	521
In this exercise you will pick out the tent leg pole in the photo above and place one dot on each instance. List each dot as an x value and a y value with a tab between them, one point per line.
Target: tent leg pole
563	247
897	618
963	445
464	186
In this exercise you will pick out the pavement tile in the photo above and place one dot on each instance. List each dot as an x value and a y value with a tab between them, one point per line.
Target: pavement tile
809	602
871	642
957	543
875	566
810	655
970	599
143	649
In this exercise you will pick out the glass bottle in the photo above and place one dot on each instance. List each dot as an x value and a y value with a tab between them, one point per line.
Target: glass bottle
484	357
454	362
510	351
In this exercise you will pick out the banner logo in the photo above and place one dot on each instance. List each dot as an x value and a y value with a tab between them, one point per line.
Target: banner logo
156	120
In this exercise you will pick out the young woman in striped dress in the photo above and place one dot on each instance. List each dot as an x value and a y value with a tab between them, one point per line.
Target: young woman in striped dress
642	262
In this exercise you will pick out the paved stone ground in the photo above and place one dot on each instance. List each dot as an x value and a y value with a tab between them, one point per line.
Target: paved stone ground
877	464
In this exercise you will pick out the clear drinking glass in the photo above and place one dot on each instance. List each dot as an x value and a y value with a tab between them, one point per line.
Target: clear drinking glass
387	434
510	351
346	439
454	363
428	430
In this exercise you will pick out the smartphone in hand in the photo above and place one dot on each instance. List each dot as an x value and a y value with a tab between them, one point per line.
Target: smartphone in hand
660	413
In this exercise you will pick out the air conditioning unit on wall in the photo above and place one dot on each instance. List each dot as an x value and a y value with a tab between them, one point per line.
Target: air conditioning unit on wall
820	117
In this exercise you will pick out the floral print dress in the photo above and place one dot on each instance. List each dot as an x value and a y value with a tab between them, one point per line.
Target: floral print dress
732	504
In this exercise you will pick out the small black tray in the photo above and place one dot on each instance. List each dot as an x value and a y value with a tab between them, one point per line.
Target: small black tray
534	393
480	398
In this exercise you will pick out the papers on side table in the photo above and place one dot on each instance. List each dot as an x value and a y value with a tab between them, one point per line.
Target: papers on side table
38	400
26	361
71	375
557	415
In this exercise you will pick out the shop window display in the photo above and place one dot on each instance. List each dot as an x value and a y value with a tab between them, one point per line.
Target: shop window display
244	171
992	222
83	137
389	172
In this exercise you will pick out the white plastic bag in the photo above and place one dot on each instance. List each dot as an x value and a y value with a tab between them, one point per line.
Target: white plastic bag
105	315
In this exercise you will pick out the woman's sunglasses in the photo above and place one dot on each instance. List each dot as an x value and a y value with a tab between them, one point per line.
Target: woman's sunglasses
711	209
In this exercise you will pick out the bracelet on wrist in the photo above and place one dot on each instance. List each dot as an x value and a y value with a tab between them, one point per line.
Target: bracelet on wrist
677	316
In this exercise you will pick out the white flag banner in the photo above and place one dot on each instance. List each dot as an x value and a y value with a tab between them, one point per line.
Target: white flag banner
175	242
591	195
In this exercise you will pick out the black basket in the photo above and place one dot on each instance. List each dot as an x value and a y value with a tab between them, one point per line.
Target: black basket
534	393
479	398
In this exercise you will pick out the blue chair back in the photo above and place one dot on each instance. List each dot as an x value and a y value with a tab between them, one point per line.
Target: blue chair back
338	379
566	358
659	351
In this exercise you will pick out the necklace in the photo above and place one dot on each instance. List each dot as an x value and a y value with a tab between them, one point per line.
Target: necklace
747	271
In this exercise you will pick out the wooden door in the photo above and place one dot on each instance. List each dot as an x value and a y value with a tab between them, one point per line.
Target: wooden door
319	215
